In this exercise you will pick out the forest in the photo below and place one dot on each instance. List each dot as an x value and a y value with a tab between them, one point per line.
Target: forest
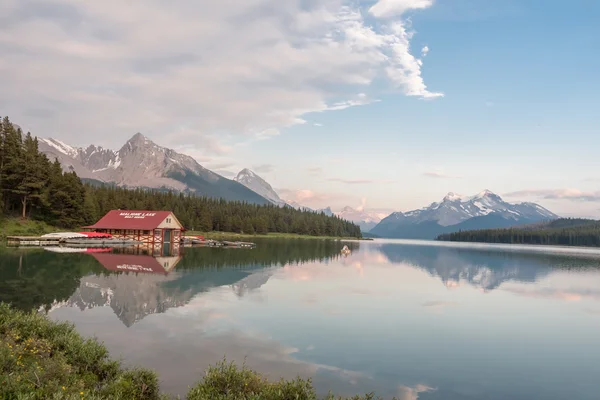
560	232
34	187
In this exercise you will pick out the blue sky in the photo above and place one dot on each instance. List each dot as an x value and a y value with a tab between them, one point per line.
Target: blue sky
334	102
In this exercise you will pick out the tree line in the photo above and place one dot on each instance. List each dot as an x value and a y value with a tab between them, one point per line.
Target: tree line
560	232
32	186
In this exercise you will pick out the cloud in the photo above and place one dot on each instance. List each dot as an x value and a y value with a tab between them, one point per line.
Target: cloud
220	165
360	100
317	124
438	173
393	8
359	181
225	173
424	51
222	69
314	171
263	168
309	198
302	195
558	194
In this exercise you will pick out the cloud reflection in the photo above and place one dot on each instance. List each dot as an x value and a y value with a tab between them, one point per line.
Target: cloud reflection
412	393
570	295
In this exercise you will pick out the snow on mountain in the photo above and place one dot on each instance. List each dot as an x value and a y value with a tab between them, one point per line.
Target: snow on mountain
257	184
366	219
455	209
143	163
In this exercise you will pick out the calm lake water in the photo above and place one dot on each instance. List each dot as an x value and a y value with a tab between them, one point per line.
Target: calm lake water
403	318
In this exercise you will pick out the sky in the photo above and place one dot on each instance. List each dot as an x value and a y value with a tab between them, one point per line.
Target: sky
383	104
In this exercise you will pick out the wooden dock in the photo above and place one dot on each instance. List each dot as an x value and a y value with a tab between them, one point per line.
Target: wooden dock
32	241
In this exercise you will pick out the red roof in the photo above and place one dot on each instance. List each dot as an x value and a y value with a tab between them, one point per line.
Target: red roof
131	219
130	263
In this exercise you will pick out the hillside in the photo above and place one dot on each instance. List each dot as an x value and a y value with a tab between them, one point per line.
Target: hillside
141	163
560	232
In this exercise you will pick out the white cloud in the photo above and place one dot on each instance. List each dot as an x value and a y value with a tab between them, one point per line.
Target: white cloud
440	173
558	194
199	73
317	124
263	168
425	51
393	8
359	181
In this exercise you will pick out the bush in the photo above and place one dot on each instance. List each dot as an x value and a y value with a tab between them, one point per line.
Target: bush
226	381
40	359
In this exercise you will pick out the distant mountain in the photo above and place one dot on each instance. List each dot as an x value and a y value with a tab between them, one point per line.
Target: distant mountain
142	163
367	220
327	211
485	210
258	185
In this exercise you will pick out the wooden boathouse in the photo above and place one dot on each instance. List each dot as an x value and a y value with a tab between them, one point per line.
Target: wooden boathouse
158	230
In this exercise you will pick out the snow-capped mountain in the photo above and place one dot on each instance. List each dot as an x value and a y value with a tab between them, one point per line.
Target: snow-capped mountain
143	163
455	212
366	219
257	184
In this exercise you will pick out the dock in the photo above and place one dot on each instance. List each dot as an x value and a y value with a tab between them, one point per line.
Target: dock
32	241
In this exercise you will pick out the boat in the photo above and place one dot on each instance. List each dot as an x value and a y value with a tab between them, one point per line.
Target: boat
97	239
63	235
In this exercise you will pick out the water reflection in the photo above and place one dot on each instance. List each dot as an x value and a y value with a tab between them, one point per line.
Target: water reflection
382	318
484	268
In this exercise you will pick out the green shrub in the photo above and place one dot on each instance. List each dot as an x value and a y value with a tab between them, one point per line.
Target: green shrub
41	359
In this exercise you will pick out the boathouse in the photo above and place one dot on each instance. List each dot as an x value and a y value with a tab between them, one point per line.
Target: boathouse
159	230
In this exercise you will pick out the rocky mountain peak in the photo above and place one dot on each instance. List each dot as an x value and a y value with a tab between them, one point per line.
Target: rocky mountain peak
453	197
258	185
136	142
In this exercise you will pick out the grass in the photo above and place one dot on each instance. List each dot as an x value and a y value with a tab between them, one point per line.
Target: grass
24	227
232	235
42	359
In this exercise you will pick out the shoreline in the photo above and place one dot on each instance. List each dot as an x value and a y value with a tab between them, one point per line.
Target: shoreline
232	235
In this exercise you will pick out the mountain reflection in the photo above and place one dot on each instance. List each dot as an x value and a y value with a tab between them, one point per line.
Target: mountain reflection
486	269
135	284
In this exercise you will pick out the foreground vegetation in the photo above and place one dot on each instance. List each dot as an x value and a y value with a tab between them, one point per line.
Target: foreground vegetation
41	359
33	187
560	232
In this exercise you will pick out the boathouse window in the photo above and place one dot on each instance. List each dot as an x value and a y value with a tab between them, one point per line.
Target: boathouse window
146	232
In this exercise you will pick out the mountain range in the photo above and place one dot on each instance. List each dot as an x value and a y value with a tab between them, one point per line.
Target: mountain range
455	212
143	163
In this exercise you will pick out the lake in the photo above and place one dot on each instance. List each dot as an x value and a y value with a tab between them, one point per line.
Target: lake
409	319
